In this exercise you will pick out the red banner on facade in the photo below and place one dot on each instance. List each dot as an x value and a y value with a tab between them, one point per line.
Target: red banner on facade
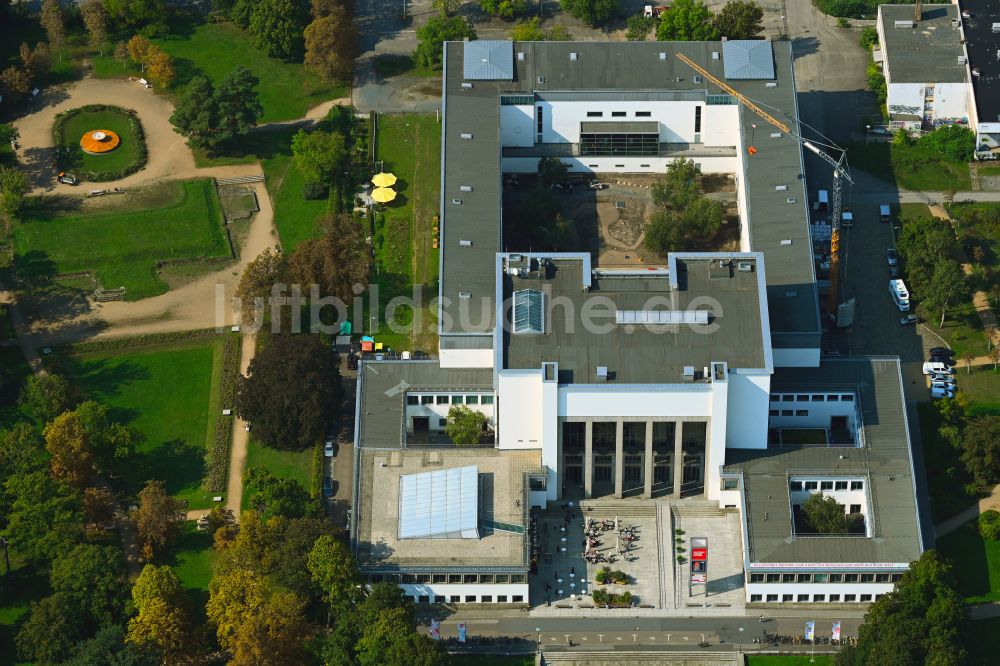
699	553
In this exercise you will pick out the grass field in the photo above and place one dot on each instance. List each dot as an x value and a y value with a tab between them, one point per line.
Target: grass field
213	50
83	164
122	248
13	371
169	394
982	386
977	563
20	587
295	465
910	167
789	660
409	146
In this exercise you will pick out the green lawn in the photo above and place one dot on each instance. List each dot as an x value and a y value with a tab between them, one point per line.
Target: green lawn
83	164
982	386
17	590
910	167
286	90
294	216
390	64
977	563
285	464
13	371
122	248
170	395
790	660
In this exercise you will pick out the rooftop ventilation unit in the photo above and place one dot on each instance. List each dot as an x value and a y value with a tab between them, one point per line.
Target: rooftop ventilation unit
663	56
465	295
961	60
770	84
780	188
791	200
520	56
466	135
715	55
465	243
466	86
457	202
687	374
602	373
572	56
744	267
541	79
996	27
902	24
697	79
787	241
775	135
465	188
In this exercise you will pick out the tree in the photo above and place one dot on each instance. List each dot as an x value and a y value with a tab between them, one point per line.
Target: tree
276	27
740	19
503	8
291	391
331	45
256	284
121	53
238	105
278	633
687	21
432	35
530	30
682	214
162	618
978	254
681	186
946	287
446	7
98	505
54	23
274	496
161	68
197	114
158	517
47	396
317	154
22	450
91	579
72	452
95	19
333	572
241	12
139	50
924	243
320	8
109	647
131	14
592	12
13	186
989	524
391	641
336	262
48	635
922	621
15	84
995	355
981	448
639	27
824	515
43	517
234	598
954	142
551	170
465	426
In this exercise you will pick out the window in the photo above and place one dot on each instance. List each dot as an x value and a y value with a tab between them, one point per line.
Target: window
516	578
502	578
472	399
772	597
850	597
851	578
756	578
441	400
471	578
439	598
501	598
455	578
754	598
618	114
538	115
485	578
847	397
857	485
773	412
788	597
697	119
802	398
841	485
426	400
826	485
628	142
802	597
730	484
457	399
487	400
836	578
423	578
811	485
455	599
855	508
517	598
834	597
787	412
787	398
832	398
773	578
795	485
878	596
442	423
805	578
819	597
882	578
820	578
412	400
818	397
867	578
470	598
787	578
896	577
865	597
643	114
595	114
423	599
487	598
440	578
802	412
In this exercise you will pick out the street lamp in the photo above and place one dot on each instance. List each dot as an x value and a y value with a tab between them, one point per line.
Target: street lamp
539	630
867	130
740	648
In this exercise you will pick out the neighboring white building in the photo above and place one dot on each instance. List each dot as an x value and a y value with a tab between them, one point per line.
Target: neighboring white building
698	378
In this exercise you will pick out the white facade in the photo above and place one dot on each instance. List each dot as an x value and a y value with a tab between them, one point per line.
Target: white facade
478	593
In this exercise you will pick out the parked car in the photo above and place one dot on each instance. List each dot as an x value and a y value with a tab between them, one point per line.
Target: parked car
941	351
937	368
946	379
894	271
328	449
940	358
909	320
943	383
890	256
597	185
883	213
939	393
67	178
352	362
327	487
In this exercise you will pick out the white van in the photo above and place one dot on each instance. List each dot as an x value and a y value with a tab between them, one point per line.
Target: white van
937	368
900	295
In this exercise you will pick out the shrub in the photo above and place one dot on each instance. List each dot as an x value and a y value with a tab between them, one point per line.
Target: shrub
869	37
954	142
218	467
989	524
843	23
854	8
316	480
315	191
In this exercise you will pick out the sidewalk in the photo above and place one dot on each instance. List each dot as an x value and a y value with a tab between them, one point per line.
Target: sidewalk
950	525
241	438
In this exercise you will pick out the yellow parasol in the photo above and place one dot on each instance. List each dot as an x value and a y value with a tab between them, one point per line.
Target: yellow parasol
383	195
383	180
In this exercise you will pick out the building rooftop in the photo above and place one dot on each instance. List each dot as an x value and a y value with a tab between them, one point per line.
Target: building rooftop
924	52
382	387
982	45
884	460
443	504
746	59
502	505
778	219
730	300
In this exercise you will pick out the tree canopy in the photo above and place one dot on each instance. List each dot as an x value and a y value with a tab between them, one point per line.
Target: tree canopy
682	215
592	12
331	44
824	515
981	448
276	27
158	517
211	117
47	396
336	262
318	153
740	19
432	35
687	21
465	426
275	496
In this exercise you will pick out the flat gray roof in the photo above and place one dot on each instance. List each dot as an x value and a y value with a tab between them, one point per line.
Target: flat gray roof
382	387
926	53
639	354
884	462
633	68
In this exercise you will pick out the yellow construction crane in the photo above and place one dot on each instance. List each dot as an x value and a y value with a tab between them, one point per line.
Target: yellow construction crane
839	172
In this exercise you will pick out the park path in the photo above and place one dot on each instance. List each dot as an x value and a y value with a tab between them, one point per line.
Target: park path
241	437
961	518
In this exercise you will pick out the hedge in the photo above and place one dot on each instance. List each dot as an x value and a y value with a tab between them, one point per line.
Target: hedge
148	340
218	464
58	133
316	482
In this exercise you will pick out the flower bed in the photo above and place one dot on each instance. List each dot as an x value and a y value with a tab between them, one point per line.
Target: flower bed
127	158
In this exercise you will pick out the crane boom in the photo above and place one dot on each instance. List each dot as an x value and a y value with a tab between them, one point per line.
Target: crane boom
732	91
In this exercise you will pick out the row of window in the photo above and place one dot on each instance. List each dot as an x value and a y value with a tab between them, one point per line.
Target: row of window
847	598
788	412
452	579
449	399
619	114
825	485
469	599
812	397
825	577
